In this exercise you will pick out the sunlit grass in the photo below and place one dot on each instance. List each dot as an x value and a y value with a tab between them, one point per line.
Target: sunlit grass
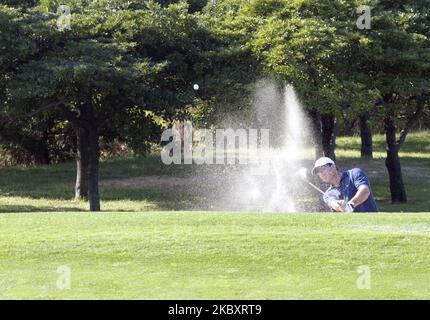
417	146
184	255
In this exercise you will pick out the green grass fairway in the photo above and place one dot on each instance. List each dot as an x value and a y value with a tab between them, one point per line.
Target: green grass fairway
200	255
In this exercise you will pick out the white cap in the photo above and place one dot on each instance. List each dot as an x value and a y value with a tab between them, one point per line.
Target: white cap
322	162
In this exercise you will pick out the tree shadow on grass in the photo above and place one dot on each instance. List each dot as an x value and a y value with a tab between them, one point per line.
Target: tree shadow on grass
29	208
58	181
160	199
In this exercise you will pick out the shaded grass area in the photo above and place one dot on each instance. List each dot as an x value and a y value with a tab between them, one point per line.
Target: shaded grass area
177	255
57	181
51	188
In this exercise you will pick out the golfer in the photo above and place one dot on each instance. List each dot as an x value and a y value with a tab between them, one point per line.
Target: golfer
349	190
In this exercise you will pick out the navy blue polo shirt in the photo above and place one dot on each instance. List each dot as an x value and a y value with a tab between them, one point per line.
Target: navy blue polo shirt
349	183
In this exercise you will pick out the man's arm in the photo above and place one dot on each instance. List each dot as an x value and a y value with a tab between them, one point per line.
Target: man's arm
361	182
361	196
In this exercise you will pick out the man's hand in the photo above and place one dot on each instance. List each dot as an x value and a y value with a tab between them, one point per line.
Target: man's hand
339	205
361	196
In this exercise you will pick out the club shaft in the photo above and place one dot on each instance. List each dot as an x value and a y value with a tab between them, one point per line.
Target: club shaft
315	187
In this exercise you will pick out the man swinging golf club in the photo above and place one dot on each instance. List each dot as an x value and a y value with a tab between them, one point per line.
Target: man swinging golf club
349	190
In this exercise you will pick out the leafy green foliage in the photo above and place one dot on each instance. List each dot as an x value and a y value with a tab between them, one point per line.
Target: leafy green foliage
128	58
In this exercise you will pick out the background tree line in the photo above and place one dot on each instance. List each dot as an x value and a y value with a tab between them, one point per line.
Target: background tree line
125	70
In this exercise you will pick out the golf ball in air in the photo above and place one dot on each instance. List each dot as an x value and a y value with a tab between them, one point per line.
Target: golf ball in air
196	87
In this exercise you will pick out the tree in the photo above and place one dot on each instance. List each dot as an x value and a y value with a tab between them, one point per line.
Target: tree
394	56
124	66
85	80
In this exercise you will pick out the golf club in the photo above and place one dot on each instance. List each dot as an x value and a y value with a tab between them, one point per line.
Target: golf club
303	175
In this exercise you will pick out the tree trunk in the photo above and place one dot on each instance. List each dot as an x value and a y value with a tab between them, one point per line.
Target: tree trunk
87	181
366	137
93	169
81	187
328	135
392	162
316	121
